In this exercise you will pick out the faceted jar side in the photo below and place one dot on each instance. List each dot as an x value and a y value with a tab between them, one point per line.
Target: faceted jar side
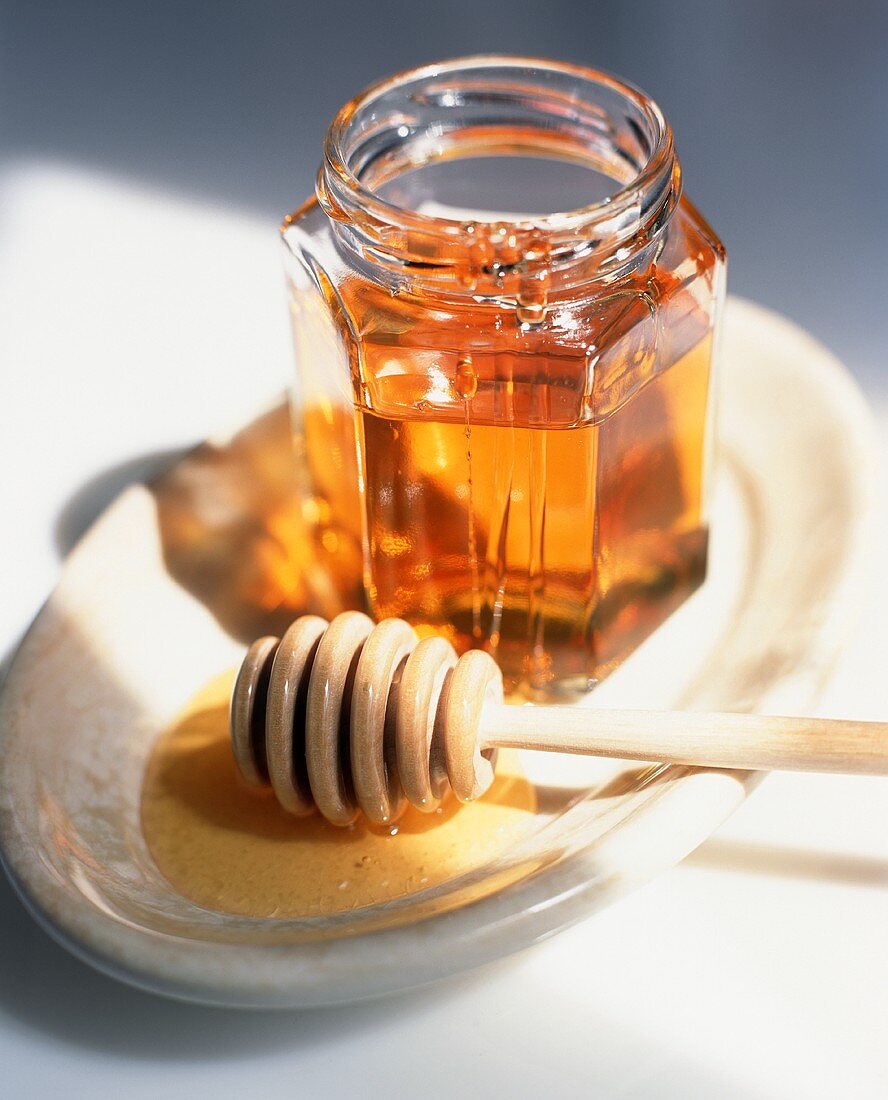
323	418
653	400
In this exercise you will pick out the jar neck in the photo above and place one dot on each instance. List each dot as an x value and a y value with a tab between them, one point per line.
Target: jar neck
499	107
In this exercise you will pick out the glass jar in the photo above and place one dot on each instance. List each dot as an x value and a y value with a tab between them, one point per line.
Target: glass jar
504	311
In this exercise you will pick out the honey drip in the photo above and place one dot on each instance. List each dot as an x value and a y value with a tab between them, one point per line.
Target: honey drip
236	851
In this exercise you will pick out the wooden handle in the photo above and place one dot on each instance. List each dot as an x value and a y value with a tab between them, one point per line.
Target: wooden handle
750	742
354	717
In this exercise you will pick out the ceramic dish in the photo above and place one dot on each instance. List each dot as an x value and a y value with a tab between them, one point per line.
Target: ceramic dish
163	590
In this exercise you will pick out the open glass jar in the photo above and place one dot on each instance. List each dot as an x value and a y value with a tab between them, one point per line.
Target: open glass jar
504	313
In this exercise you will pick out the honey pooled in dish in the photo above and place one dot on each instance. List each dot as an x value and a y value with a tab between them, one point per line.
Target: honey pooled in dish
235	850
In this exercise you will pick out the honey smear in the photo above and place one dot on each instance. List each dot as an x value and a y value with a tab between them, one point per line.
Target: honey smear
236	851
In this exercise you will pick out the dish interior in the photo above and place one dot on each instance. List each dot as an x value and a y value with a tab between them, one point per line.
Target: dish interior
165	590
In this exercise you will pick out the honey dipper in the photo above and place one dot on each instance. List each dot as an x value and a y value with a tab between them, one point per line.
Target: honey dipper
348	717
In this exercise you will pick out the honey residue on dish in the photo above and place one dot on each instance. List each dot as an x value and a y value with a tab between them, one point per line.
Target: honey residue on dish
235	850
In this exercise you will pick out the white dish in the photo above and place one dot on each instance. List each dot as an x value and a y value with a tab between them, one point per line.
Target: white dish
144	614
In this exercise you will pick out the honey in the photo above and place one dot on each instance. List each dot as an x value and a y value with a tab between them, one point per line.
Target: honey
236	851
505	419
509	557
504	516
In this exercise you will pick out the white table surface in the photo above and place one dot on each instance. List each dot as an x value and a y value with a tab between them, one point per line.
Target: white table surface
134	324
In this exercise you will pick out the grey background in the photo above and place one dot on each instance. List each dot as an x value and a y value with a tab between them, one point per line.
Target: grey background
779	109
781	112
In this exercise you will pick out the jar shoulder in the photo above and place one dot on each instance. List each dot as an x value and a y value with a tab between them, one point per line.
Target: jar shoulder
404	348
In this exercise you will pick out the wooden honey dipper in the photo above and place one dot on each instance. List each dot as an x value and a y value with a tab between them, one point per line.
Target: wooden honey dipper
352	716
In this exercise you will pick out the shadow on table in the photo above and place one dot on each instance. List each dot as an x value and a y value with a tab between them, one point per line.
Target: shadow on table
45	989
230	529
842	868
85	506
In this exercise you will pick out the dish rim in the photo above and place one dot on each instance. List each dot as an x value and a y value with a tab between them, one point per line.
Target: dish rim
341	970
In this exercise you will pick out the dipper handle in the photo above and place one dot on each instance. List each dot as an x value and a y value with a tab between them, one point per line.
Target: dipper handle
349	717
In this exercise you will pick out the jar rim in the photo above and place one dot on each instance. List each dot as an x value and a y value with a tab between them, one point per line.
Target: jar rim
639	205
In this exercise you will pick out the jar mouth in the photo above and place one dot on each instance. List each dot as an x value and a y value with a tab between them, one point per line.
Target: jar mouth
496	106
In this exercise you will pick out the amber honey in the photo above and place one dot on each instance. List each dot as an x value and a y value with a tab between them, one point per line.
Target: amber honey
517	513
